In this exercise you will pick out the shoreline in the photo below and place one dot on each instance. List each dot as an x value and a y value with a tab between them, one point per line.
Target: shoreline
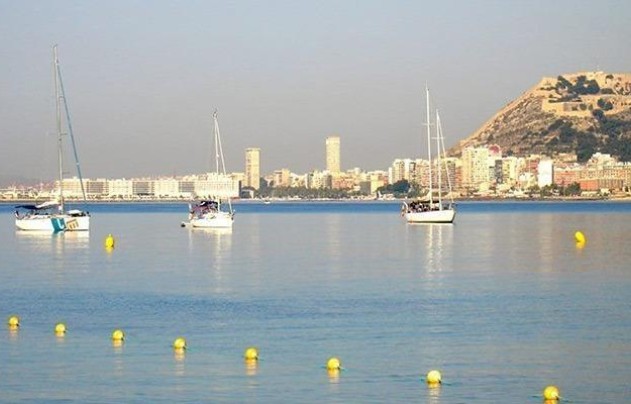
346	200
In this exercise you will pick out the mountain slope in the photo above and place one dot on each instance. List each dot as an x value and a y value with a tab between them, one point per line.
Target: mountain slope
579	113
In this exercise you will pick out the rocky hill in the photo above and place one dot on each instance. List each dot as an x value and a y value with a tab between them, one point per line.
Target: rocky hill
579	113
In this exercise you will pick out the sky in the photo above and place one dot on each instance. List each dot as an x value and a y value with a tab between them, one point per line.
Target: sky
143	77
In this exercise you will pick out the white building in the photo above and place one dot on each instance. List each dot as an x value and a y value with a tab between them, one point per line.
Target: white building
545	173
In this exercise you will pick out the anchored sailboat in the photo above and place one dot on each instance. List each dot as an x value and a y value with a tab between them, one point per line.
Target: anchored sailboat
432	208
212	213
52	215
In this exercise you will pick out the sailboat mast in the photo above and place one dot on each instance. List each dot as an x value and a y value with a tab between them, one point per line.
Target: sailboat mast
60	159
62	97
219	153
444	154
216	133
429	147
438	165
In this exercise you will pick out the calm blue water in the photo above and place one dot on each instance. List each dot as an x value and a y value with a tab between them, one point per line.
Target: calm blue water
503	303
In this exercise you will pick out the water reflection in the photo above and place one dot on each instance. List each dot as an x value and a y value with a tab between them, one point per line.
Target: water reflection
333	228
251	367
433	393
213	246
547	238
13	332
54	242
434	247
179	356
59	254
217	236
119	368
334	375
438	240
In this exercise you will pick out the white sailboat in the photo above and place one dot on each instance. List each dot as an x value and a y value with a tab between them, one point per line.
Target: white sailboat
216	212
432	208
52	215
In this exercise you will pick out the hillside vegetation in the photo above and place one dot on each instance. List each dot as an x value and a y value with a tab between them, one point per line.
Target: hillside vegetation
579	113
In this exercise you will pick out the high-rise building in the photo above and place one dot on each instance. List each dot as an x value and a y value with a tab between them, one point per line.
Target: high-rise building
475	167
253	167
333	154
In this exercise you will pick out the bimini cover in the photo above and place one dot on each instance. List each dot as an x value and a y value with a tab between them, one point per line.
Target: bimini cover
29	207
44	205
47	204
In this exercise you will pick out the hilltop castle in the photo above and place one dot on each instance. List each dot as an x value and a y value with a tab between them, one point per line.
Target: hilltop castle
578	94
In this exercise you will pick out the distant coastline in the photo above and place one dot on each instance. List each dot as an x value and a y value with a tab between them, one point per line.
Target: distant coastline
625	198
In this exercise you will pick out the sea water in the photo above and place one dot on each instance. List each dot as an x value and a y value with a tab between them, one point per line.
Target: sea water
503	303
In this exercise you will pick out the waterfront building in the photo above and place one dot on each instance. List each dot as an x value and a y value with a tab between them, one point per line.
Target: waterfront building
166	188
98	186
120	188
186	187
282	178
545	173
215	185
405	169
475	168
318	179
143	187
253	167
396	172
333	157
449	172
509	170
343	181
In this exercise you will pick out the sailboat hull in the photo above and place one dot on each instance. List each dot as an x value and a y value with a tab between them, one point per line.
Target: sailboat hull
212	220
53	223
431	216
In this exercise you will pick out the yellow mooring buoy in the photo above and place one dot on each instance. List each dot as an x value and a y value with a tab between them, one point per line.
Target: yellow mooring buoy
13	321
551	393
579	237
433	378
118	335
109	241
251	354
60	329
333	364
179	344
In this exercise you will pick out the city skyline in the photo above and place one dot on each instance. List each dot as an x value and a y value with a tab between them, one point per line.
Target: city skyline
282	75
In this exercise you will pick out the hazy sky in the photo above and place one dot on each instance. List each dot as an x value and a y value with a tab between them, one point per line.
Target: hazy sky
142	77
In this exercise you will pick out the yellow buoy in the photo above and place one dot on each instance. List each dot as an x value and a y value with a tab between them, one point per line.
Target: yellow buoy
251	354
433	377
333	364
14	321
179	344
118	335
551	393
60	329
109	241
579	237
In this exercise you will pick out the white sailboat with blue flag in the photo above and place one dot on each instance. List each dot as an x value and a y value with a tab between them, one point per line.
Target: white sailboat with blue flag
52	215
